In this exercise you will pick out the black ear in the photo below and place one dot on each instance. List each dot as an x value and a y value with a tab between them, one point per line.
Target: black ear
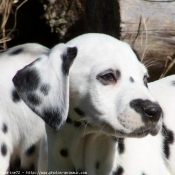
44	88
68	58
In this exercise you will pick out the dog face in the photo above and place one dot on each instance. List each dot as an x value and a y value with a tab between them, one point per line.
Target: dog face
43	84
108	88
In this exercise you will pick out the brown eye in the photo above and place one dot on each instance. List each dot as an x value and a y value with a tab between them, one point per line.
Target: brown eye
108	77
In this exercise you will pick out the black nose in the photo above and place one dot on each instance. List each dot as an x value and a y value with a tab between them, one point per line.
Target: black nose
153	112
150	111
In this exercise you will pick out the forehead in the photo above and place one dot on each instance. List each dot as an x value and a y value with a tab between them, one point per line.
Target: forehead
100	52
123	59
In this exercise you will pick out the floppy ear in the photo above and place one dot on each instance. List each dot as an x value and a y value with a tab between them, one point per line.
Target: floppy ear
44	87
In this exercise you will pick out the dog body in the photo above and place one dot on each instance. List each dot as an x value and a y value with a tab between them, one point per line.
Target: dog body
19	135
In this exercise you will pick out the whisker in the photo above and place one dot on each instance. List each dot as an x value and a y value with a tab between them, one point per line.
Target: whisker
103	127
77	131
151	65
85	128
81	119
149	62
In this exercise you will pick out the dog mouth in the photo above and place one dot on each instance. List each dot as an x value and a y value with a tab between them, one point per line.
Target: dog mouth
152	129
132	128
141	132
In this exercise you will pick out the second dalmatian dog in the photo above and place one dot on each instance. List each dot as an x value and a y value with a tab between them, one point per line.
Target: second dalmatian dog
20	129
114	122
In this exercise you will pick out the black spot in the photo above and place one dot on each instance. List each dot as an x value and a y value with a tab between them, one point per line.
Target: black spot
4	128
137	55
53	118
34	99
68	58
16	165
69	120
131	79
118	74
64	152
26	79
45	89
143	174
15	51
121	145
15	96
30	150
168	139
4	149
114	138
77	124
119	171
173	83
97	165
79	111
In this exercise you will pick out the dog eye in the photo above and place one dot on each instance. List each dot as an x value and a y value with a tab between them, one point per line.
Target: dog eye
107	78
145	80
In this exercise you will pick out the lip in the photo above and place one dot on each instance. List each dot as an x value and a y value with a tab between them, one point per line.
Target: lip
149	128
141	132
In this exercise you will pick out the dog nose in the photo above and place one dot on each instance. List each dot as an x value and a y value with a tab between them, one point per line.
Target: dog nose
153	112
150	111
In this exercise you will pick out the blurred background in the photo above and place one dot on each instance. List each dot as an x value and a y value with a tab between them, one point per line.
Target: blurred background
147	25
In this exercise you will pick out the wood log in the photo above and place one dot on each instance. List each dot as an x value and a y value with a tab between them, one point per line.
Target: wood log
102	16
149	26
61	15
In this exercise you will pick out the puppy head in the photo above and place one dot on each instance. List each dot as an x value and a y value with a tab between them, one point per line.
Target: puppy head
43	84
111	91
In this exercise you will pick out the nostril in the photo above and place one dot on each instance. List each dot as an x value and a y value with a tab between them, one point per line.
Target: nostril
154	113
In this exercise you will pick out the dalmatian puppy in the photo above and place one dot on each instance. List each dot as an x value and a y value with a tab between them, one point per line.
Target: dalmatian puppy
109	102
20	129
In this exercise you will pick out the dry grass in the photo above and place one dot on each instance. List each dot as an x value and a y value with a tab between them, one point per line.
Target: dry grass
141	39
6	8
